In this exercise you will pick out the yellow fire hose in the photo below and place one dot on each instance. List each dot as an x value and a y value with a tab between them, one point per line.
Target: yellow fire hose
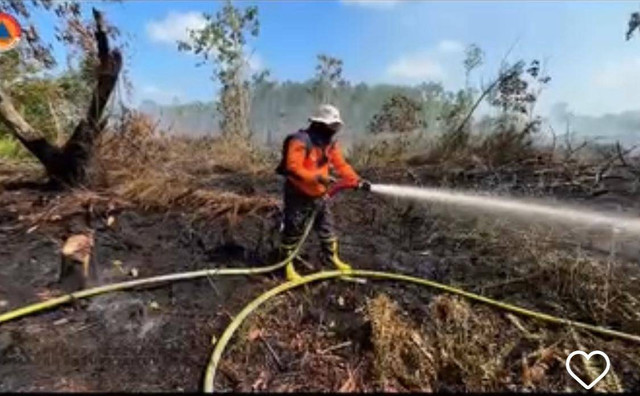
237	321
154	281
253	305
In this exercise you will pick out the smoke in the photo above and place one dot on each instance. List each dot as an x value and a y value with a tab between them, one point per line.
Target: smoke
623	127
525	208
191	119
285	108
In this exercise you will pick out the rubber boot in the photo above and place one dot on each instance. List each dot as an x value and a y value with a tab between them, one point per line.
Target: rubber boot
290	271
330	252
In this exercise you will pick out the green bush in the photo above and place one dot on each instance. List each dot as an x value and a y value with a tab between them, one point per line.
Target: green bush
11	148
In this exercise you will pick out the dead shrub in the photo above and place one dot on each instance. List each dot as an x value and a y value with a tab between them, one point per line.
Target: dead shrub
403	359
386	149
507	143
158	171
460	349
468	346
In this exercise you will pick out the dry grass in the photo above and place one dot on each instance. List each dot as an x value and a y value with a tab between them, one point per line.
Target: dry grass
499	146
285	348
458	346
78	202
475	349
402	356
15	172
136	165
583	283
560	270
388	149
500	257
156	171
472	345
459	349
491	149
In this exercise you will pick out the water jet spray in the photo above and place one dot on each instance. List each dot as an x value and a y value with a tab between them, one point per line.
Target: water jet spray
508	205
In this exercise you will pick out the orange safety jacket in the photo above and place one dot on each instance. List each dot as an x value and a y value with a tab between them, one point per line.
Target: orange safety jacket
303	161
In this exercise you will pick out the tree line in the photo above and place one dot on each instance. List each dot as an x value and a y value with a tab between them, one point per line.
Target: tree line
58	118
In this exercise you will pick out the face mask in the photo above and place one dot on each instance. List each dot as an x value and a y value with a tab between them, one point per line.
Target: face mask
330	130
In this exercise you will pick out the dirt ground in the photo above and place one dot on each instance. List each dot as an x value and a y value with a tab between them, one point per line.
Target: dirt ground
328	336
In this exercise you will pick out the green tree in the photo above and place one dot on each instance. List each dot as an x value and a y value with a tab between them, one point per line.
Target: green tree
634	23
281	106
327	79
399	114
221	42
262	91
51	105
474	56
516	91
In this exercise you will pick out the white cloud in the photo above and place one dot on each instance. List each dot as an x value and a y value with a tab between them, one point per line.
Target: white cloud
375	4
441	62
618	74
610	87
617	82
450	46
174	27
418	66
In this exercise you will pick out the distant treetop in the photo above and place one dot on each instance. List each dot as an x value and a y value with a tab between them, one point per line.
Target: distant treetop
634	23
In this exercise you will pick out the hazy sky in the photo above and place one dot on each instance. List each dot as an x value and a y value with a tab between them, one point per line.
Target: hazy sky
592	67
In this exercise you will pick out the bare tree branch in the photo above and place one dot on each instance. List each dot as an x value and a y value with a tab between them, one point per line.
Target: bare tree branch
14	121
503	76
623	161
31	139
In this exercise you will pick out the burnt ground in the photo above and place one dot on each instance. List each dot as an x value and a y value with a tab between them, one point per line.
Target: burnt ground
328	336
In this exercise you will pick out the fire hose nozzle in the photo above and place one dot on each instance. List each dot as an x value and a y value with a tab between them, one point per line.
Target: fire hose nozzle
363	185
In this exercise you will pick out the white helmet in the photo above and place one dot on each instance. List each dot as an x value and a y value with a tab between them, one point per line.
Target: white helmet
327	114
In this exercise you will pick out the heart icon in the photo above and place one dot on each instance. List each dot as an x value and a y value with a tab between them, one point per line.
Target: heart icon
595	381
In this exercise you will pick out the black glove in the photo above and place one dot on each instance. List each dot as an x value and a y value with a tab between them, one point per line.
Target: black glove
364	185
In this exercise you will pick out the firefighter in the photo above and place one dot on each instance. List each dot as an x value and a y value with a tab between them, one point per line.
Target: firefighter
307	157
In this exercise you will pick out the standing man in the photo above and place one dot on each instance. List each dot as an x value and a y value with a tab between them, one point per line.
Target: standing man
307	156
